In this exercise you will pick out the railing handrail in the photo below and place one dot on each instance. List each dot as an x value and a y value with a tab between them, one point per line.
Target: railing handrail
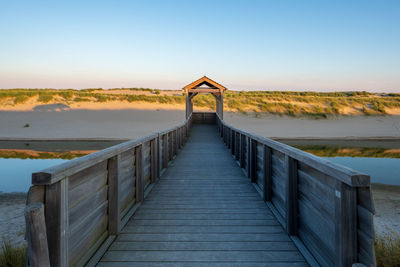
326	208
56	173
346	175
98	192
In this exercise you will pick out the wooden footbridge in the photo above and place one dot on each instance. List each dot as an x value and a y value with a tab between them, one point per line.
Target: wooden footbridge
203	193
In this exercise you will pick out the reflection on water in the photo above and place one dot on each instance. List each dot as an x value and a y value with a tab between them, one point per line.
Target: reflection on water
19	159
381	170
378	158
15	175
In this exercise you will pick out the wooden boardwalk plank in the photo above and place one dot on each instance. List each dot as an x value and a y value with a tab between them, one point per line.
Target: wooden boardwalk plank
207	256
203	246
201	264
204	211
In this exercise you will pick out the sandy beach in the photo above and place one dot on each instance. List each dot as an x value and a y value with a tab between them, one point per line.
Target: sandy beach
86	124
12	220
132	123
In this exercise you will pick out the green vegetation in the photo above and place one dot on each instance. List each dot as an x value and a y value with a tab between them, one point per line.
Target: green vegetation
333	151
45	98
26	125
16	154
11	255
313	104
20	99
387	250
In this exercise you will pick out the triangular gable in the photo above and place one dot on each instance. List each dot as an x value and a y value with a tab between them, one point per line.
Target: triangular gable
205	81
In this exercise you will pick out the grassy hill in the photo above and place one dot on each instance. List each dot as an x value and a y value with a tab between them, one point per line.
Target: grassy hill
315	104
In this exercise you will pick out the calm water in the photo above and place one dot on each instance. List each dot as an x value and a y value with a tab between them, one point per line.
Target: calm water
15	174
381	170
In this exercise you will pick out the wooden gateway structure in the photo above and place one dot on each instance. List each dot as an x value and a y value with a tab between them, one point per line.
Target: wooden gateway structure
180	197
205	85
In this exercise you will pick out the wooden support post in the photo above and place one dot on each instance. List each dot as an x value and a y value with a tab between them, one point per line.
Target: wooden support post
228	137
180	138
159	156
57	224
242	151
221	106
139	173
183	136
248	149
267	165
153	161
165	151
176	142
114	218
345	225
233	133
291	196
38	250
237	146
170	146
253	160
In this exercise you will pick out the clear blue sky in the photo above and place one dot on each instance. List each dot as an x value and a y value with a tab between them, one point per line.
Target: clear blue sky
248	45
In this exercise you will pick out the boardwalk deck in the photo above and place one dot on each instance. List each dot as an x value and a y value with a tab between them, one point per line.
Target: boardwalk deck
203	212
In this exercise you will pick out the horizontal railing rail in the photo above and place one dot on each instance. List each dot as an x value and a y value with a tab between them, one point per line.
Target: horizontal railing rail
326	208
75	209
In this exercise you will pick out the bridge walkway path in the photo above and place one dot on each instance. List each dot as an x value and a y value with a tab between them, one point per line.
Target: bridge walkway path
203	212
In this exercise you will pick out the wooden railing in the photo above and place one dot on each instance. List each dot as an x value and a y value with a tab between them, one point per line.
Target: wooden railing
326	208
75	209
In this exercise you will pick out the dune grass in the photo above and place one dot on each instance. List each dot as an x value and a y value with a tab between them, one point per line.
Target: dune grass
12	256
313	104
387	250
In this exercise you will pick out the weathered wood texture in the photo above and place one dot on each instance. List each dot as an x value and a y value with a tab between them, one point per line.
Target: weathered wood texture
327	206
204	117
203	211
38	253
88	200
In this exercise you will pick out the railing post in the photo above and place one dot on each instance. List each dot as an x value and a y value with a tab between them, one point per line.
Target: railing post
228	141
159	156
224	129
291	196
139	173
57	224
165	150
253	160
114	218
267	166
248	149
242	150
176	142
233	133
345	225
237	146
153	161
170	146
180	138
38	249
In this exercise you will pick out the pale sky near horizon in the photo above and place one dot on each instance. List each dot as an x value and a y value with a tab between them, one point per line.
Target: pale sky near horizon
244	45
